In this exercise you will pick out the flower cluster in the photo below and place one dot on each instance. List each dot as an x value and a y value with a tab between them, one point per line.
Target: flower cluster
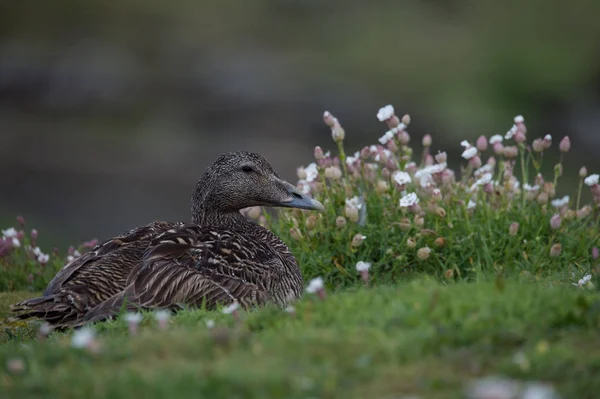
388	185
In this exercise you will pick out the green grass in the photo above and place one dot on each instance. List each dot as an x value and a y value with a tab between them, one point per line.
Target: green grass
455	294
420	338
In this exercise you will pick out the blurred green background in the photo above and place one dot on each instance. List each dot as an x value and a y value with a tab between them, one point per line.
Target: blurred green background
110	111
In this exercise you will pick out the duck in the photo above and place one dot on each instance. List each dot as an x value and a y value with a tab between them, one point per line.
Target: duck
220	258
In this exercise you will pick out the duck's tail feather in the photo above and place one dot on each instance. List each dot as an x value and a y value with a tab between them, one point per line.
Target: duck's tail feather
53	309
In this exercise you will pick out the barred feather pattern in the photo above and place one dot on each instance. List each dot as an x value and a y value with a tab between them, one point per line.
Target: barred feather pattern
198	266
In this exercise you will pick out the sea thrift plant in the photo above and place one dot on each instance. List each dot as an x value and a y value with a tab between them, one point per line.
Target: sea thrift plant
498	210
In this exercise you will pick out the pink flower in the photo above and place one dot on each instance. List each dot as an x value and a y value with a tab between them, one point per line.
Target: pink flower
565	144
555	221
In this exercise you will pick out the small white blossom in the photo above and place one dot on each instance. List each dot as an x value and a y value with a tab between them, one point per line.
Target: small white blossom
485	179
469	153
519	119
9	233
210	323
472	204
312	172
401	177
316	284
290	309
354	202
43	258
37	251
409	200
386	137
527	187
15	242
353	158
484	169
385	113
387	153
509	135
162	315
231	308
496	139
83	337
548	137
426	181
76	254
70	258
560	202
583	281
134	318
592	180
363	266
465	144
430	170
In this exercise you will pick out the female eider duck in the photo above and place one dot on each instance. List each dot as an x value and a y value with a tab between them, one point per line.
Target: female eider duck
220	258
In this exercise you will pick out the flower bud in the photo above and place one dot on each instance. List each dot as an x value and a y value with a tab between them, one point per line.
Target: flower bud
319	153
558	169
382	186
333	173
301	173
547	141
555	221
441	212
441	157
406	119
440	242
513	229
423	253
411	243
519	137
295	233
340	222
357	240
595	253
311	222
337	133
542	199
427	140
403	137
21	221
498	148
565	144
475	162
352	213
555	250
481	143
583	172
449	274
537	145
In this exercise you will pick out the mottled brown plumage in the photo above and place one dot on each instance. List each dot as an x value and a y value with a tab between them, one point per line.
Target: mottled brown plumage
219	258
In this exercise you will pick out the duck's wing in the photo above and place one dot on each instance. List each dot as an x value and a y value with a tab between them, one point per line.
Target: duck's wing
197	267
93	277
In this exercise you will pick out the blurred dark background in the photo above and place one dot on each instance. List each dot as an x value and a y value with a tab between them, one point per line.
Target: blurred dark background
110	111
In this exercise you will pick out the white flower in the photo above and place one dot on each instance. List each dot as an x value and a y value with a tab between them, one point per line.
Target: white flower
354	202
290	309
426	181
70	258
559	203
519	119
401	177
43	258
312	172
353	158
485	179
9	233
465	144
385	113
210	323
430	170
162	315
37	251
592	180
472	204
15	242
484	169
231	308
527	187
133	318
509	135
469	153
496	139
386	137
76	254
83	337
316	284
409	200
548	137
363	266
583	281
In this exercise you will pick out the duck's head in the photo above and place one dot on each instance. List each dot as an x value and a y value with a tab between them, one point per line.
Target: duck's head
238	180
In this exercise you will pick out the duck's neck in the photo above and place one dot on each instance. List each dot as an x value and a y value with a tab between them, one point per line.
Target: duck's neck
209	211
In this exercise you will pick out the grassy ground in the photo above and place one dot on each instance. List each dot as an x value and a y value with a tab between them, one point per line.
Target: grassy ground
420	338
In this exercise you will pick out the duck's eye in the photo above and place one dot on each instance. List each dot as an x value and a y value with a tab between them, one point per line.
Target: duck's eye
247	168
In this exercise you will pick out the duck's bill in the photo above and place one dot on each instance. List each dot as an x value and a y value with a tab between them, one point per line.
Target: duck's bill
300	201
